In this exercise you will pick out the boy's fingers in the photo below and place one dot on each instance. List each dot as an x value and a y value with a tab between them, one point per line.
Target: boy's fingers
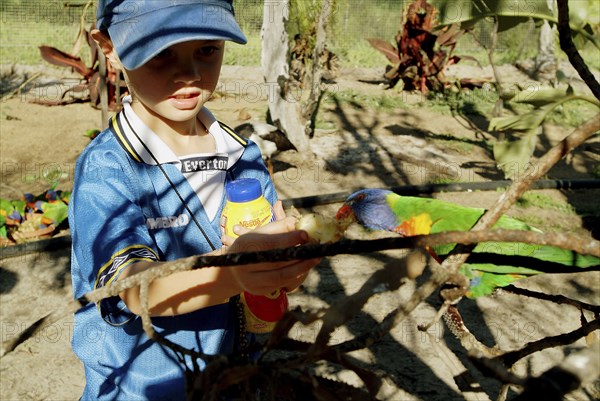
290	275
254	242
227	240
278	211
240	230
284	225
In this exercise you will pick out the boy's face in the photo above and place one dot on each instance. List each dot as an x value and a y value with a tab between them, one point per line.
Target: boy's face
175	84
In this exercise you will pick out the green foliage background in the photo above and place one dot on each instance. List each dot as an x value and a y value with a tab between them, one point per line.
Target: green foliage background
27	24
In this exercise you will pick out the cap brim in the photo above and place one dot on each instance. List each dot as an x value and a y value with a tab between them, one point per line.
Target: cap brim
139	39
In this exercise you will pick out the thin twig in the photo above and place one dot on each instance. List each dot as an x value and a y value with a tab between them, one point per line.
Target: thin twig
556	298
579	368
337	315
394	318
145	314
149	329
575	243
493	368
511	357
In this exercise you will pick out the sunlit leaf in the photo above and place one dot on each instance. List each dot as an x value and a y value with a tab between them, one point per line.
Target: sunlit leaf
60	58
579	12
522	122
460	11
513	156
506	23
513	12
386	48
540	96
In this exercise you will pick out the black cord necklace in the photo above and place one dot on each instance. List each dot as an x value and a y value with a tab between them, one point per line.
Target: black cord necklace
213	247
238	307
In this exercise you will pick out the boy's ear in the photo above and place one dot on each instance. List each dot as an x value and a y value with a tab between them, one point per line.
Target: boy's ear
106	47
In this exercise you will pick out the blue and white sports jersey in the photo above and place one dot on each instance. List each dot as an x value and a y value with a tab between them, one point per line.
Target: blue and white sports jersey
124	209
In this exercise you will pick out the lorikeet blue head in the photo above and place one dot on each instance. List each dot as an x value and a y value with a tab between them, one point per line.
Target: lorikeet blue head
370	208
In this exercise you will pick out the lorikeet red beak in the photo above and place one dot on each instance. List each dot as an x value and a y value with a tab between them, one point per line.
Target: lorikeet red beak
344	213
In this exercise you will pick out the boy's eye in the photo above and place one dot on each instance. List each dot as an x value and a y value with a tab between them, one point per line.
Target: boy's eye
207	50
166	53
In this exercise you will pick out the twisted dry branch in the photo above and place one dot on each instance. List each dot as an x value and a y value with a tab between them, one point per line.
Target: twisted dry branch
350	247
450	266
579	368
562	240
534	172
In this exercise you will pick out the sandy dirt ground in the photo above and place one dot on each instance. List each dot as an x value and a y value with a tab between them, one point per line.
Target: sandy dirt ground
365	147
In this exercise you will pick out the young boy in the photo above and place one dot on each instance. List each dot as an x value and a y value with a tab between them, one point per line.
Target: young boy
150	188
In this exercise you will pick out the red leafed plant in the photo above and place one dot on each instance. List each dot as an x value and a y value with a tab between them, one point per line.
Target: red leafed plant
90	76
420	55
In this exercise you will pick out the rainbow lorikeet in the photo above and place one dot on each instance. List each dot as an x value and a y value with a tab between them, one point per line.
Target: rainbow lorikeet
491	265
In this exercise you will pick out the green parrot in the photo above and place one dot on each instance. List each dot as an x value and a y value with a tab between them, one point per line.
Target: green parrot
491	265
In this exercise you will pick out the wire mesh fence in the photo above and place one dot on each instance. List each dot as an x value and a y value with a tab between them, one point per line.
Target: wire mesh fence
27	24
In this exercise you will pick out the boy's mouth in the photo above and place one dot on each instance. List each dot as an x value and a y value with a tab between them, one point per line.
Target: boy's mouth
187	95
185	101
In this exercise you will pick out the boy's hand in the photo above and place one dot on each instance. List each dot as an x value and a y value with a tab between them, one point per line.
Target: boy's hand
264	278
278	212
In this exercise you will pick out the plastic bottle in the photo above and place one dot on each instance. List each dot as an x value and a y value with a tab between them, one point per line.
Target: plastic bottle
247	207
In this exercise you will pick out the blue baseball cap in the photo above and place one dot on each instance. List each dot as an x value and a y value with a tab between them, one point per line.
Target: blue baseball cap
140	29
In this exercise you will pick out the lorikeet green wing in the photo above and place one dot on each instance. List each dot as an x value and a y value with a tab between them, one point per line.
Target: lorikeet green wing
491	265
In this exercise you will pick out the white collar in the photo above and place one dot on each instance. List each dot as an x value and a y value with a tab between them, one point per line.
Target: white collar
151	149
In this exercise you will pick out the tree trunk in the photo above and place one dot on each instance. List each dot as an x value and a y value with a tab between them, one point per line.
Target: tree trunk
545	62
311	106
285	105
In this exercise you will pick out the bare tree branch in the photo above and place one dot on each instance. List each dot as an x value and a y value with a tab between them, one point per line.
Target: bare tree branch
439	276
337	315
516	190
461	253
537	171
561	240
350	247
578	369
567	45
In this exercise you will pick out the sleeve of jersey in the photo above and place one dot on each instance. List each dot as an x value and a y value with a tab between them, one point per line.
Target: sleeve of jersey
108	226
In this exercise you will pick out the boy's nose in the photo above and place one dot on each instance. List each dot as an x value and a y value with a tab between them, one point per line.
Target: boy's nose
188	73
